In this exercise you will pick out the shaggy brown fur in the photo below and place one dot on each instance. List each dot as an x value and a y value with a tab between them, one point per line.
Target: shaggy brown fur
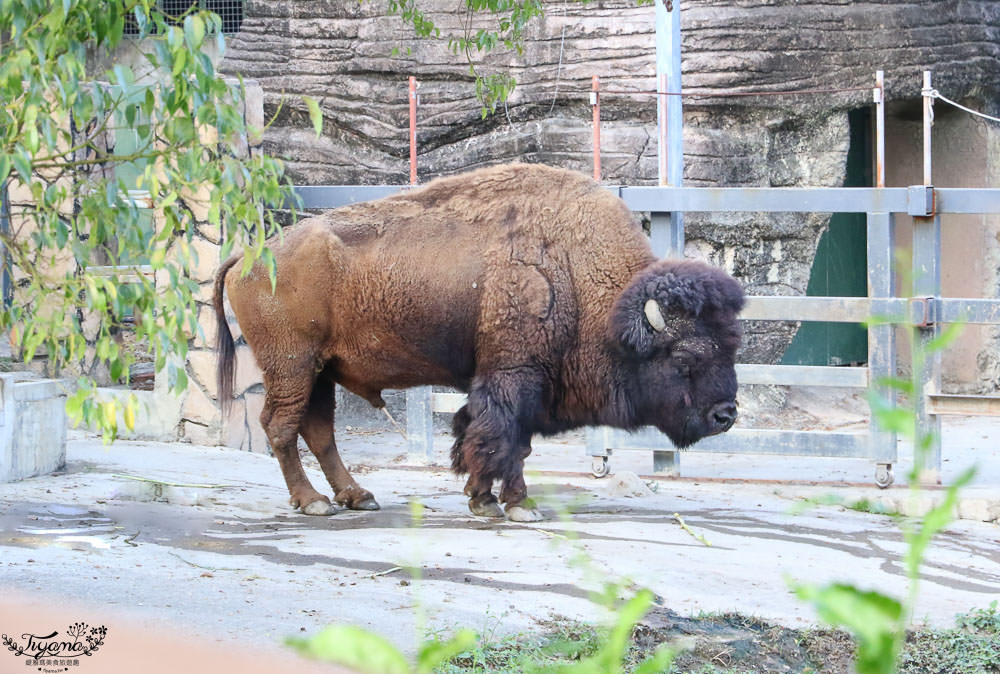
521	284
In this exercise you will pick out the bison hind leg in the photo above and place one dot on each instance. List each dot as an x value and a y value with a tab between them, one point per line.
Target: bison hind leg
284	406
459	424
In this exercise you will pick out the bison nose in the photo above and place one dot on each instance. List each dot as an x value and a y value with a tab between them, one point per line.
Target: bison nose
723	415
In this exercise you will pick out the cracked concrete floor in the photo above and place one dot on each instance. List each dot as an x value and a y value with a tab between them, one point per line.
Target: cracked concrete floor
229	560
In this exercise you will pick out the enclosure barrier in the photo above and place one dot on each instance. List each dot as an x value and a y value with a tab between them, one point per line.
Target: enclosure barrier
926	310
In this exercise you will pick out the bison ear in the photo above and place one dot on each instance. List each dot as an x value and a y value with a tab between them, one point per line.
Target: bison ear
635	322
665	292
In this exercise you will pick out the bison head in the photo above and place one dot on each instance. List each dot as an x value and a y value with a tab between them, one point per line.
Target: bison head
676	331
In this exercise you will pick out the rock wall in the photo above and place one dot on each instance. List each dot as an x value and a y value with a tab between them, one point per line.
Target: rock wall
341	53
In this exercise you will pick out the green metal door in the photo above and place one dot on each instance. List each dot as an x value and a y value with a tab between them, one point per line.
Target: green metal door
839	268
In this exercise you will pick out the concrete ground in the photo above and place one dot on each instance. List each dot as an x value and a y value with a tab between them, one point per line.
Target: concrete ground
211	548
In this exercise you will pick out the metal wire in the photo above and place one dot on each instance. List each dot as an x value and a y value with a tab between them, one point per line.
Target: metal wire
934	93
232	13
724	94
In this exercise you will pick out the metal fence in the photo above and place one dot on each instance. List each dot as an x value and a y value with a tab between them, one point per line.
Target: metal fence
926	310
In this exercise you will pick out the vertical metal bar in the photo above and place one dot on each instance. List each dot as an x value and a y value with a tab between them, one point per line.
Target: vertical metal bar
668	62
881	340
927	284
662	234
5	284
595	103
879	129
413	130
928	123
419	414
667	231
419	425
662	142
882	444
665	235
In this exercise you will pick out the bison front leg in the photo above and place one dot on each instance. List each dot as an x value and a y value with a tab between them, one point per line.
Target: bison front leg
492	436
514	491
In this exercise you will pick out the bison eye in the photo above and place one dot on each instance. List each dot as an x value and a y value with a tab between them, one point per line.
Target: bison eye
683	365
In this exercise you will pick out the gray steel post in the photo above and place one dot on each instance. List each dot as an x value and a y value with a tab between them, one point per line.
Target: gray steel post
5	262
668	237
419	424
927	284
928	123
667	231
879	95
881	338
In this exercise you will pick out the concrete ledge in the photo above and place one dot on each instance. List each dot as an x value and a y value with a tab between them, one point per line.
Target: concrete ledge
32	426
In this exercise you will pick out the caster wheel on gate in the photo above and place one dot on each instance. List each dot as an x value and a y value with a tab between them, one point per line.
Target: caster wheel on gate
600	467
884	476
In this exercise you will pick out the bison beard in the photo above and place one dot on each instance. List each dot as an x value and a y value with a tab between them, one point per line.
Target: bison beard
531	288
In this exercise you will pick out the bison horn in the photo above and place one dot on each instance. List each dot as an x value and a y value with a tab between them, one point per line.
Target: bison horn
654	316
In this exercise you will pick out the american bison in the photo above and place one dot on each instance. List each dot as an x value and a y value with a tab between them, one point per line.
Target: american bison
533	289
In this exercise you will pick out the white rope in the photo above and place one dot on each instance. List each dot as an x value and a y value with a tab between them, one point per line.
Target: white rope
559	69
934	93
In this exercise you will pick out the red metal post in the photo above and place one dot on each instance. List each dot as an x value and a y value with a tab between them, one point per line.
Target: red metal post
879	128
595	102
413	130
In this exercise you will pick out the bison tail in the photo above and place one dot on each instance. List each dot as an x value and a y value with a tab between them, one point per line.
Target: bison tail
225	346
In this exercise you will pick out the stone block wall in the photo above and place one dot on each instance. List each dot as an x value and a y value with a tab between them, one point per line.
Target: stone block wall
201	420
342	55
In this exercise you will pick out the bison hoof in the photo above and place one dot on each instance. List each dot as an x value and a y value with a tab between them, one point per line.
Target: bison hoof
319	507
485	506
521	514
365	504
356	498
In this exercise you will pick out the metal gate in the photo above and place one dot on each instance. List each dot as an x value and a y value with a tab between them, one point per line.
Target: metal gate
926	310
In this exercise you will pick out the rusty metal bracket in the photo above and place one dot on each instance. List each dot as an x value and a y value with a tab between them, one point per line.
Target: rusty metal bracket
920	200
923	311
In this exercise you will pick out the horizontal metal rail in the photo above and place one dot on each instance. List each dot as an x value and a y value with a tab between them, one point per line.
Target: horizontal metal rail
334	196
752	441
802	375
766	199
911	200
983	312
746	373
963	405
792	308
916	310
923	312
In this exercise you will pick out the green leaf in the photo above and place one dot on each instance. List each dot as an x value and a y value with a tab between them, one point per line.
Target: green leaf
659	661
934	521
433	653
315	115
180	60
352	647
945	339
22	162
873	618
194	31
